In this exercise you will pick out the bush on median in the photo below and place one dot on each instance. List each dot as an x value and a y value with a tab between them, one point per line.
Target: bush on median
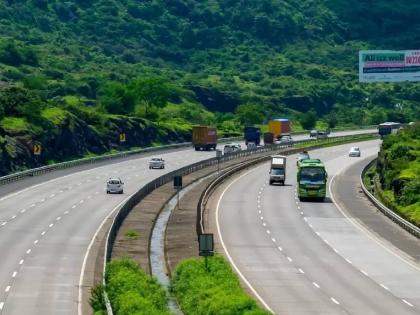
215	292
131	291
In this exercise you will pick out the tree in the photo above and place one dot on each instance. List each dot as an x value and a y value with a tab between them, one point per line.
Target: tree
20	102
308	120
150	92
249	114
117	98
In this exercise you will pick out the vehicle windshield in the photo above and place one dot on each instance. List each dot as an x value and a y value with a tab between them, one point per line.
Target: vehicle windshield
303	156
277	171
312	175
114	182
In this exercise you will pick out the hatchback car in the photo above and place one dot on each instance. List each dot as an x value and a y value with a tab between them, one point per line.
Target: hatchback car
354	151
115	186
157	163
231	147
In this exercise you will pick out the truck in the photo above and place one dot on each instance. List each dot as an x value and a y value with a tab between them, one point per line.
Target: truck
268	138
279	127
252	134
311	179
204	138
277	169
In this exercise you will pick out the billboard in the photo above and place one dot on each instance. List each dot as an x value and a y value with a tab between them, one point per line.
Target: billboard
389	65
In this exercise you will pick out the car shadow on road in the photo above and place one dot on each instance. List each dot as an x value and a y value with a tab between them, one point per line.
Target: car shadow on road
317	200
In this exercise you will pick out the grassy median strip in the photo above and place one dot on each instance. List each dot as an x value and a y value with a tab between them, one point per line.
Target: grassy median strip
211	291
130	290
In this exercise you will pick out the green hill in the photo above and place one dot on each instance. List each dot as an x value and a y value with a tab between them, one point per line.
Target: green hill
220	62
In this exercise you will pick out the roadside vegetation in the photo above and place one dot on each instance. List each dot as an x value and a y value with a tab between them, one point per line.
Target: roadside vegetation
130	290
398	172
211	292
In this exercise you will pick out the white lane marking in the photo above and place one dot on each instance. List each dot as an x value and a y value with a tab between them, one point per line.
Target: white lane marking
361	228
89	197
97	193
262	218
28	251
51	225
273	239
14	274
61	191
264	224
4	223
14	217
301	213
317	233
298	208
349	261
301	271
7	289
365	273
73	206
21	262
42	200
268	232
36	242
304	218
326	242
43	233
58	218
66	212
52	195
297	202
316	284
23	211
335	301
33	205
384	286
289	259
82	272
225	248
336	251
1	305
408	303
82	201
280	249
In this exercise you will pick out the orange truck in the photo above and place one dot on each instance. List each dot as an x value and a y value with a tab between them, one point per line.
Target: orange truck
279	127
204	138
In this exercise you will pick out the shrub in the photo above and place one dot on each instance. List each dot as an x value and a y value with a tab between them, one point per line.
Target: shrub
217	291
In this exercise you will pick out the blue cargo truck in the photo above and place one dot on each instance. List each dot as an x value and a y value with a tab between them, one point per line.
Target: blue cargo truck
252	134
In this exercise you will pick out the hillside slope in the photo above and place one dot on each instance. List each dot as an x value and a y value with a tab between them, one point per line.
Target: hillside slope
221	62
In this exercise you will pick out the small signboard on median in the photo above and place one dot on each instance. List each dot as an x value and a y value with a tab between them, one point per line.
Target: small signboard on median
206	244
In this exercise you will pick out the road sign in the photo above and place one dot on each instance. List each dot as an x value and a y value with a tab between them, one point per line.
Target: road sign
177	181
37	149
206	244
123	137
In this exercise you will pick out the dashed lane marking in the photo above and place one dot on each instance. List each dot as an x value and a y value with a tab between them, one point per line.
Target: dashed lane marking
316	285
335	301
408	303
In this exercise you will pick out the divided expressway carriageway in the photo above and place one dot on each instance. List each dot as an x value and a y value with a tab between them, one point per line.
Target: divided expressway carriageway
47	223
318	257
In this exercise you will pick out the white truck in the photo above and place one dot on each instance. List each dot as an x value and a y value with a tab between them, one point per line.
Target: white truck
278	169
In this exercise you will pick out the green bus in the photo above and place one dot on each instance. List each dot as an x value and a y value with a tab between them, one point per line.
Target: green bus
311	179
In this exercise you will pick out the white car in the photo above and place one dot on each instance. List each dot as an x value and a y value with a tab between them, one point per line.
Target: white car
115	186
157	163
286	140
354	151
231	147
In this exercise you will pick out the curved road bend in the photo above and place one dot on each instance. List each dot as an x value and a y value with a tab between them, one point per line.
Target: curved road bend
307	257
47	223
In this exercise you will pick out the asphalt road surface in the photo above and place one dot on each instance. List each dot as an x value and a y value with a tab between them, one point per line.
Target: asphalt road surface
312	257
47	223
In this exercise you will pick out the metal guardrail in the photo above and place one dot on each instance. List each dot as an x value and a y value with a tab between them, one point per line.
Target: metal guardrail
64	165
166	178
408	226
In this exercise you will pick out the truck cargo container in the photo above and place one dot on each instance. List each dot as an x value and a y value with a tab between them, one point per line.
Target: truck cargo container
204	138
268	138
279	127
252	134
278	169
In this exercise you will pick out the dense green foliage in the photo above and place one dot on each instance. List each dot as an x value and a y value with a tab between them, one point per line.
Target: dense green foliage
213	292
130	291
259	59
399	171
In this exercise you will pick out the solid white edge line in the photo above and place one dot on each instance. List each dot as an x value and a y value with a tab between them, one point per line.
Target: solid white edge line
364	230
82	272
225	248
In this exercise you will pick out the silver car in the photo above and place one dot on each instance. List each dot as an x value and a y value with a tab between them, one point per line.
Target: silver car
157	163
115	186
354	151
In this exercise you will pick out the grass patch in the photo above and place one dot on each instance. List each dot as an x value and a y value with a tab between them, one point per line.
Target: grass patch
18	125
132	234
130	290
211	293
55	115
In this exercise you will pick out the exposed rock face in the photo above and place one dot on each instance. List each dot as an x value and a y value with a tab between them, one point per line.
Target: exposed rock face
72	138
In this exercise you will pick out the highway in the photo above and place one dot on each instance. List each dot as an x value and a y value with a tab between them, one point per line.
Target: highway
313	257
47	223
